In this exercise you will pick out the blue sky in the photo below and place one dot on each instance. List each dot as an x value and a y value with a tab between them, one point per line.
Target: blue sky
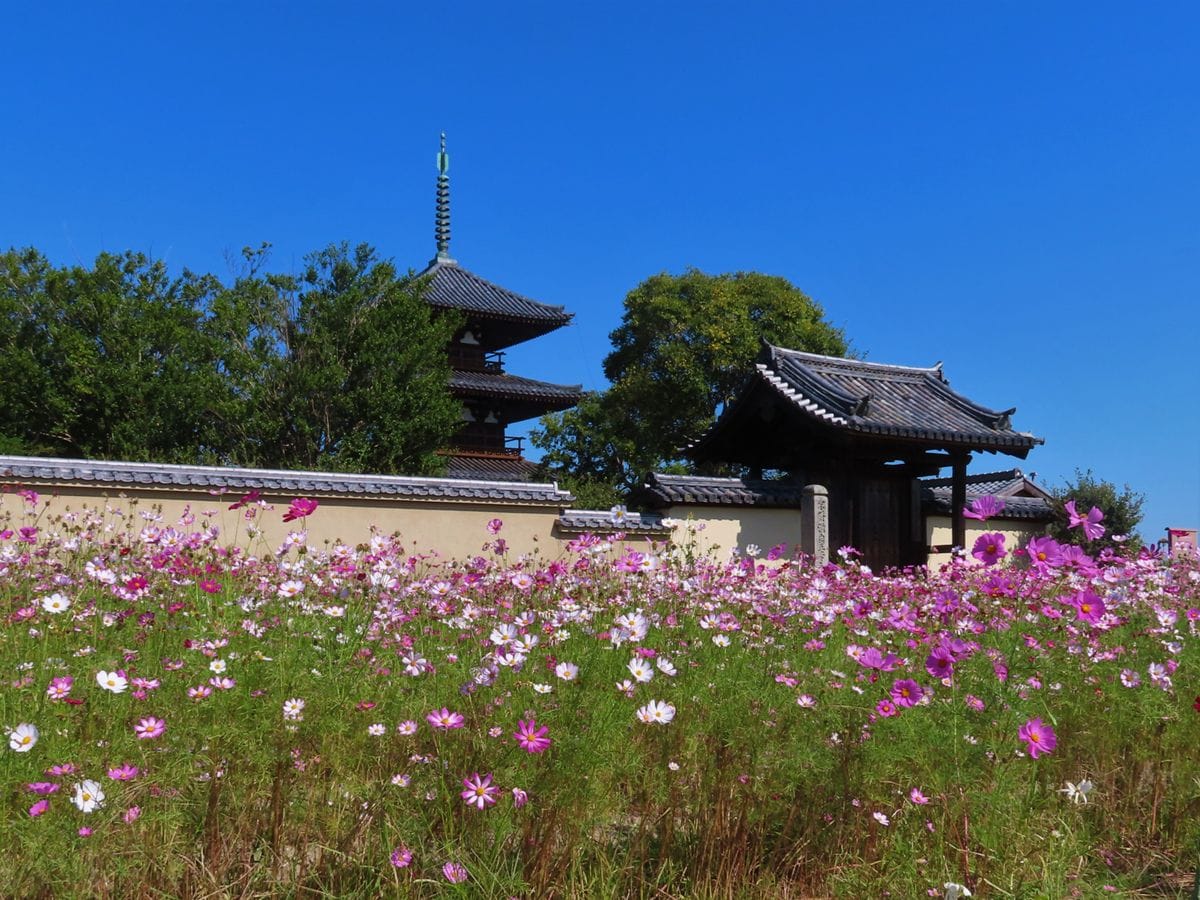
1013	189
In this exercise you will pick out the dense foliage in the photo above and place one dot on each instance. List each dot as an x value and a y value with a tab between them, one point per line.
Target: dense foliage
340	367
685	344
186	718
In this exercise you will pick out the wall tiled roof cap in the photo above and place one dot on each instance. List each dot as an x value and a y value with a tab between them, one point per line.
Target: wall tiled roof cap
52	471
667	490
598	521
453	287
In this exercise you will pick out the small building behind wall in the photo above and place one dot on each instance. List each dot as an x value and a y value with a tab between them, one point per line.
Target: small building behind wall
866	432
1028	511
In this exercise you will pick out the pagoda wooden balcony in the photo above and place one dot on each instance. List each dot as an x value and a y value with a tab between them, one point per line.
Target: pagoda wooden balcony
472	359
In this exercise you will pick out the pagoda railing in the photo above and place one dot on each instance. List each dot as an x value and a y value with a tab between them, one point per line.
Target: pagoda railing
471	359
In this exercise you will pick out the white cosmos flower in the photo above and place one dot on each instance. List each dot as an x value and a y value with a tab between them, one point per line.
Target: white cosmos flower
955	891
1078	793
23	737
666	667
721	640
640	669
88	796
56	603
656	711
112	681
566	671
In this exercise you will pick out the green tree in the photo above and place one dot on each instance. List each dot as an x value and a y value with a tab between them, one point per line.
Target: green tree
685	344
109	361
1122	512
365	379
343	367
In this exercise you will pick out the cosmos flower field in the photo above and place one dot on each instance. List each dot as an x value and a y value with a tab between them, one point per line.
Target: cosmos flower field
184	718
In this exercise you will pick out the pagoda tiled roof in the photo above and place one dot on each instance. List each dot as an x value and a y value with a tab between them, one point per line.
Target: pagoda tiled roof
453	287
668	490
217	479
898	402
489	467
514	387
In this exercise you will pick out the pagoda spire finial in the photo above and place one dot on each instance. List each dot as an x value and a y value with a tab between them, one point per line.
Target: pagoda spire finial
442	220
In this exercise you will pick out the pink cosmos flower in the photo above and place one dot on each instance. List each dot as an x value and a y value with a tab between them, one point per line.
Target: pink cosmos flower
906	692
1040	736
402	857
149	728
132	815
917	797
123	772
479	790
300	508
531	738
520	798
455	872
443	718
60	687
983	508
1090	523
1044	553
44	788
1088	606
38	808
989	548
873	658
495	525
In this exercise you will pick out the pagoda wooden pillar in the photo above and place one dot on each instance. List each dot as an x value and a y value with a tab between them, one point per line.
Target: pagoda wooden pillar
958	499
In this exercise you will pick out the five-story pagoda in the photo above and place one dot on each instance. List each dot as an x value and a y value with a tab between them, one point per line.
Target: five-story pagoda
494	318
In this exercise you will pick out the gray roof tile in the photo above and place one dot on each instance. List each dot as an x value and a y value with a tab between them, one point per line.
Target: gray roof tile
491	384
453	287
601	522
667	490
904	402
40	470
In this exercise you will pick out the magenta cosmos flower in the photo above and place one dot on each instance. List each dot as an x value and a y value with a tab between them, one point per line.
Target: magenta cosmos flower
123	772
906	692
402	857
1090	522
989	548
149	728
480	792
1040	736
300	508
443	718
1045	553
530	737
1088	606
940	662
455	872
983	508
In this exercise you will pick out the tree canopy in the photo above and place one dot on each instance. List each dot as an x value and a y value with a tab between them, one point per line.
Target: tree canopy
342	367
685	344
1122	510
